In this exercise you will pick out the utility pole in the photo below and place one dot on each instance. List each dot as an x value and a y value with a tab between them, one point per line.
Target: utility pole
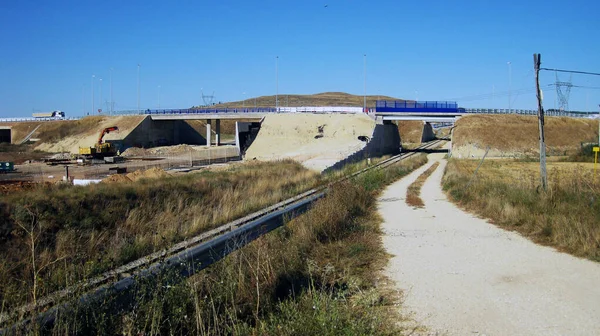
365	83
537	61
138	89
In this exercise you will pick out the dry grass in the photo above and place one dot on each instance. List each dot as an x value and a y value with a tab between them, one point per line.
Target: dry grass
413	193
515	133
318	275
52	131
19	153
508	193
227	126
93	229
411	132
319	99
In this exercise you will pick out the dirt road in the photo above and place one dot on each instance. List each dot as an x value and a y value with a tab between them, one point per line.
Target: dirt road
463	276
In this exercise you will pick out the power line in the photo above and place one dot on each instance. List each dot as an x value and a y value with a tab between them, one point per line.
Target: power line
572	71
485	96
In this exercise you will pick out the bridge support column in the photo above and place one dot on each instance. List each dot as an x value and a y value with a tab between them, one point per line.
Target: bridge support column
218	132
208	132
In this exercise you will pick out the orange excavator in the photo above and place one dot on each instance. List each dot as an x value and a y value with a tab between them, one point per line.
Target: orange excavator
101	149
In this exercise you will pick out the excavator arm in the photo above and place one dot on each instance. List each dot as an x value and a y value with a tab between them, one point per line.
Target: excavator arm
105	132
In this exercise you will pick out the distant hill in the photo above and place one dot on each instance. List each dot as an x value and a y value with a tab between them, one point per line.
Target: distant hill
318	99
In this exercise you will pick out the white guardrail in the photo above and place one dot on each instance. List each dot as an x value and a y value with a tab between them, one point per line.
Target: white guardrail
36	119
308	109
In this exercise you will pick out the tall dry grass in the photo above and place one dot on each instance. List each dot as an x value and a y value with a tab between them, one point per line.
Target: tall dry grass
96	228
315	276
566	217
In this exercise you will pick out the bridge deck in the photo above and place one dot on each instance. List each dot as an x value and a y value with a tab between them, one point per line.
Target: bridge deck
206	116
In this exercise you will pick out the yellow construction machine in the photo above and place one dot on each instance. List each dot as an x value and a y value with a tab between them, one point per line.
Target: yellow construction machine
101	149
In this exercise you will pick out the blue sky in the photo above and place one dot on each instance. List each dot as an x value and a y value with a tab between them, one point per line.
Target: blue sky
430	50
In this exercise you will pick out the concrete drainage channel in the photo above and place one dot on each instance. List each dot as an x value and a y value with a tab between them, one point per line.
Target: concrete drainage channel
185	258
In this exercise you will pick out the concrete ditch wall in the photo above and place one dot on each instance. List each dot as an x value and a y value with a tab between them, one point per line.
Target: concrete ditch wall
428	134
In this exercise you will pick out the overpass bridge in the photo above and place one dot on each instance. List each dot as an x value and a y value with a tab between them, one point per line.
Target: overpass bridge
428	111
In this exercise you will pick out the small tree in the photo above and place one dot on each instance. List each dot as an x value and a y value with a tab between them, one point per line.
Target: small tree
32	227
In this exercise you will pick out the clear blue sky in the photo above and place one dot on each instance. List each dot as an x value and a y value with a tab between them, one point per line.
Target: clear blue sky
432	50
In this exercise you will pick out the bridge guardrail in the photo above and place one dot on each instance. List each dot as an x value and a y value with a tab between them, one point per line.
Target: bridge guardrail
416	106
36	119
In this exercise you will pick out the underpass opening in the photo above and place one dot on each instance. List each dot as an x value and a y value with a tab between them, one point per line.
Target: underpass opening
5	134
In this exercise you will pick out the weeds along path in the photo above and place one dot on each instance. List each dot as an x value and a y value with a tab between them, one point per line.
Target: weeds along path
464	276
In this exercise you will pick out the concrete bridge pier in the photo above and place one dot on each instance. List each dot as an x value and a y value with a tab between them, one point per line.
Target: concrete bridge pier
218	132
208	132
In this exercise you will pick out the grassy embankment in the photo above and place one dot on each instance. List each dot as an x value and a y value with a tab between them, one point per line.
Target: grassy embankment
315	276
64	234
19	153
508	192
413	193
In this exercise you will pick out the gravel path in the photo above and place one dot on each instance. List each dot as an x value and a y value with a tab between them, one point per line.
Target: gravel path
463	276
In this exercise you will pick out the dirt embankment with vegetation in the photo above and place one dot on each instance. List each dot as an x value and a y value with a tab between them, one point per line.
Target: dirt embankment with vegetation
317	140
518	136
318	275
509	193
411	131
69	135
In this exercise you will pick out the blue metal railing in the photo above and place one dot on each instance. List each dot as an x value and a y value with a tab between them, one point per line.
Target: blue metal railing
416	106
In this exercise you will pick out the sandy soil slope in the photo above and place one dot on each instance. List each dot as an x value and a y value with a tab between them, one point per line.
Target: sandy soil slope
297	136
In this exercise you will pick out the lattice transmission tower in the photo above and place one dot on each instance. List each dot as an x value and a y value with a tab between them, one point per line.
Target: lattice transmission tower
563	90
208	99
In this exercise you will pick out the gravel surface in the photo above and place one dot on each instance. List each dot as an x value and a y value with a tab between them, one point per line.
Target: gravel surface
463	276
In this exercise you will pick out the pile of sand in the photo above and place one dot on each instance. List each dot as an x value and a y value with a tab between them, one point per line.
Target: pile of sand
515	135
159	151
70	135
135	151
316	140
136	175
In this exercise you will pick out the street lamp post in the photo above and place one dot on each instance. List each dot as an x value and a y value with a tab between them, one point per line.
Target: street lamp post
111	92
93	106
277	84
83	99
365	84
100	95
138	88
509	86
243	99
159	97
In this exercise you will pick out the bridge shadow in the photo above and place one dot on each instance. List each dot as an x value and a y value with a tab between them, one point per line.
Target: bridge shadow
426	150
